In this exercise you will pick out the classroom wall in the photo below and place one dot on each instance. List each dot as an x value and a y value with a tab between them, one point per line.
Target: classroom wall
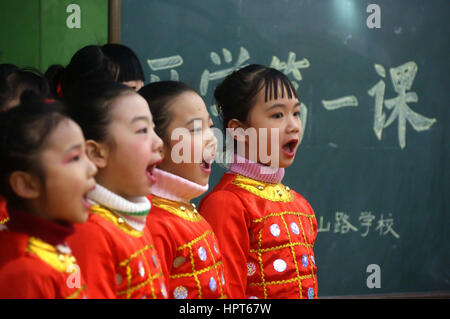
39	33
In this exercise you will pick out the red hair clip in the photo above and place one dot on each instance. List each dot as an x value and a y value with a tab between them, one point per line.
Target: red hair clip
48	101
59	89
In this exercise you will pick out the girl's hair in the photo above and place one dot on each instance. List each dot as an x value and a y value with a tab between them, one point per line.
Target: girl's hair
236	95
89	64
6	69
23	133
90	107
127	63
158	95
16	83
54	75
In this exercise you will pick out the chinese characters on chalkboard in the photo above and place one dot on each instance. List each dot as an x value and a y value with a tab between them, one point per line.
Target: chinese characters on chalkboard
402	78
366	222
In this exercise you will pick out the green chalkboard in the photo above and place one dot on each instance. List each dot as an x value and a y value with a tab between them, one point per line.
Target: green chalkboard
39	33
374	161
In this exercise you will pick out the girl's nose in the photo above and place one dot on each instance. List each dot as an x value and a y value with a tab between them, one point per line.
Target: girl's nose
294	125
211	140
157	143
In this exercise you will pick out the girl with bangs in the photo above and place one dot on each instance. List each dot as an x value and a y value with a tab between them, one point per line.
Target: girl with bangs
265	229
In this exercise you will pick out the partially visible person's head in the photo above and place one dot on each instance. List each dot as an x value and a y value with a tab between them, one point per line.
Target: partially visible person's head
89	64
120	137
261	98
176	106
15	82
129	68
43	165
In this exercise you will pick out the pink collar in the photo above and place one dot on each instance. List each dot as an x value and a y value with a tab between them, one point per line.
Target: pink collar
257	171
176	188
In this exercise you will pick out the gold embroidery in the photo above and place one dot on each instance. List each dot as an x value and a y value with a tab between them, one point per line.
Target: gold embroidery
291	244
282	214
309	251
261	264
278	282
192	242
178	208
62	262
293	257
215	263
4	221
273	192
126	263
195	273
116	220
77	292
265	250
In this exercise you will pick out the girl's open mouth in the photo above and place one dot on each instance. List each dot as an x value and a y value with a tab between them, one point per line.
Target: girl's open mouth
151	170
206	166
150	173
290	147
86	204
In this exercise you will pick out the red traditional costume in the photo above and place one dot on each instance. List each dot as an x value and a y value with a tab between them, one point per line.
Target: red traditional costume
4	216
35	262
266	232
115	249
190	256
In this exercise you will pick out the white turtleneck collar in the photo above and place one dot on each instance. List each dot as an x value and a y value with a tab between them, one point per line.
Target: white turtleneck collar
133	211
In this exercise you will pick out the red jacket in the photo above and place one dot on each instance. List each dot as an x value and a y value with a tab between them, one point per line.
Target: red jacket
4	216
117	260
266	233
187	246
31	267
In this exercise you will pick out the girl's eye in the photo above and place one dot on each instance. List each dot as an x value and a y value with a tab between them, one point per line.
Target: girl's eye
73	158
196	129
297	113
277	115
142	130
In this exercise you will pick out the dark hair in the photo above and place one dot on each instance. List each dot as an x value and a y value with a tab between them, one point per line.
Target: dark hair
22	82
235	96
90	107
6	69
23	132
127	63
89	64
54	75
158	95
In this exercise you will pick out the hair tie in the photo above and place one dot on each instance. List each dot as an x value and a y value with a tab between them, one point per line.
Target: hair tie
59	89
49	101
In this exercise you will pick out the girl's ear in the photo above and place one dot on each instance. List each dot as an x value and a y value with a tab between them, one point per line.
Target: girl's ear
25	185
238	129
97	153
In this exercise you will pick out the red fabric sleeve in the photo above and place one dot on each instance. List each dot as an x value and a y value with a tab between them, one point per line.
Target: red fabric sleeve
27	278
92	249
225	213
163	246
4	216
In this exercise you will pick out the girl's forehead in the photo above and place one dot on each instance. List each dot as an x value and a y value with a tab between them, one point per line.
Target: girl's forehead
186	105
66	134
128	106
